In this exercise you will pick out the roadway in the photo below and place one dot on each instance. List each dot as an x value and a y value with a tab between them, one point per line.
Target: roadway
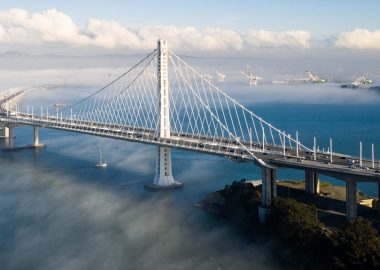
343	167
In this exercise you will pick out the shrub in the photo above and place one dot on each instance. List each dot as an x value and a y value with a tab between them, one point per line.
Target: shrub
357	246
297	225
293	220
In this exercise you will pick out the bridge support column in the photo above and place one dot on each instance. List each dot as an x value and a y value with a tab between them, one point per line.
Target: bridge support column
36	142
11	136
36	137
378	198
351	203
163	178
268	187
268	191
312	183
4	132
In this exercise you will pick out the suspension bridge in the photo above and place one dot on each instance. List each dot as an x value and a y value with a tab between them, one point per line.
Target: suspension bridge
163	101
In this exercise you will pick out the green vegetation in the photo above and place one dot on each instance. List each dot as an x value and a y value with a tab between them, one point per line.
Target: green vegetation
241	201
357	246
302	241
354	246
299	229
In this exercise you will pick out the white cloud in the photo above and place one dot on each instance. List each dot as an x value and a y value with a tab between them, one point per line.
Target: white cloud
109	34
17	26
262	38
359	39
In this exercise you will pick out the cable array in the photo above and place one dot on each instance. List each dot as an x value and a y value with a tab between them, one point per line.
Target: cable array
201	109
199	112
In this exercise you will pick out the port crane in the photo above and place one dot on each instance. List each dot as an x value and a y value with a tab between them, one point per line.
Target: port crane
314	78
361	80
221	76
253	79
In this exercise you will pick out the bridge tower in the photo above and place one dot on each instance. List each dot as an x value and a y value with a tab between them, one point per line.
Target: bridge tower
163	177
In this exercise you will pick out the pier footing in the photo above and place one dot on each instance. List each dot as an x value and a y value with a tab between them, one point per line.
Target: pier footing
269	186
154	187
23	147
262	214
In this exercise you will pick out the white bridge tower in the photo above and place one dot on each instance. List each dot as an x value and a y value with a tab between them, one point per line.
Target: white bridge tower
163	177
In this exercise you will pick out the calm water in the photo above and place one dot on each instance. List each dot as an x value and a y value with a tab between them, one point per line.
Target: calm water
57	211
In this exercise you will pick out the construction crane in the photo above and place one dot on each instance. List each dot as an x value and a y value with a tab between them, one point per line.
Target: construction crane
221	76
252	78
314	78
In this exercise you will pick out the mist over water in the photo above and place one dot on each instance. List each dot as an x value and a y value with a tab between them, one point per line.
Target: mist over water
60	212
57	211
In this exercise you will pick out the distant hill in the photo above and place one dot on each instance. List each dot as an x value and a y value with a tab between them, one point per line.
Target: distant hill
14	54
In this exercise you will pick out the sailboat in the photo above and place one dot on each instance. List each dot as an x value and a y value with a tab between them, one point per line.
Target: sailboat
102	163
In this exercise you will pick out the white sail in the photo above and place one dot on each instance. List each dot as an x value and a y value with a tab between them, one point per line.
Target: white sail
102	163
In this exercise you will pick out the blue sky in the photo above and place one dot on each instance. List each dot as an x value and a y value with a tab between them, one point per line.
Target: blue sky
199	25
321	17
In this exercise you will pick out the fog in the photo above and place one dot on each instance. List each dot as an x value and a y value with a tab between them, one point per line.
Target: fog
88	73
59	212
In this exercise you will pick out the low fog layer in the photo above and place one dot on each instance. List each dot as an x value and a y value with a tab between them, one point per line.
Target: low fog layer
90	73
70	215
59	212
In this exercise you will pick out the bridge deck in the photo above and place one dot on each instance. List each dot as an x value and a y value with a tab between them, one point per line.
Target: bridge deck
341	167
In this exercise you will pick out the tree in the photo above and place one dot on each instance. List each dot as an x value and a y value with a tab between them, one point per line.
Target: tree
357	246
297	225
293	220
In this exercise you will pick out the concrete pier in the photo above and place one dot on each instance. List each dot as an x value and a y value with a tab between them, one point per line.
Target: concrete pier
378	198
269	186
36	137
4	132
268	191
36	142
351	201
312	183
11	136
